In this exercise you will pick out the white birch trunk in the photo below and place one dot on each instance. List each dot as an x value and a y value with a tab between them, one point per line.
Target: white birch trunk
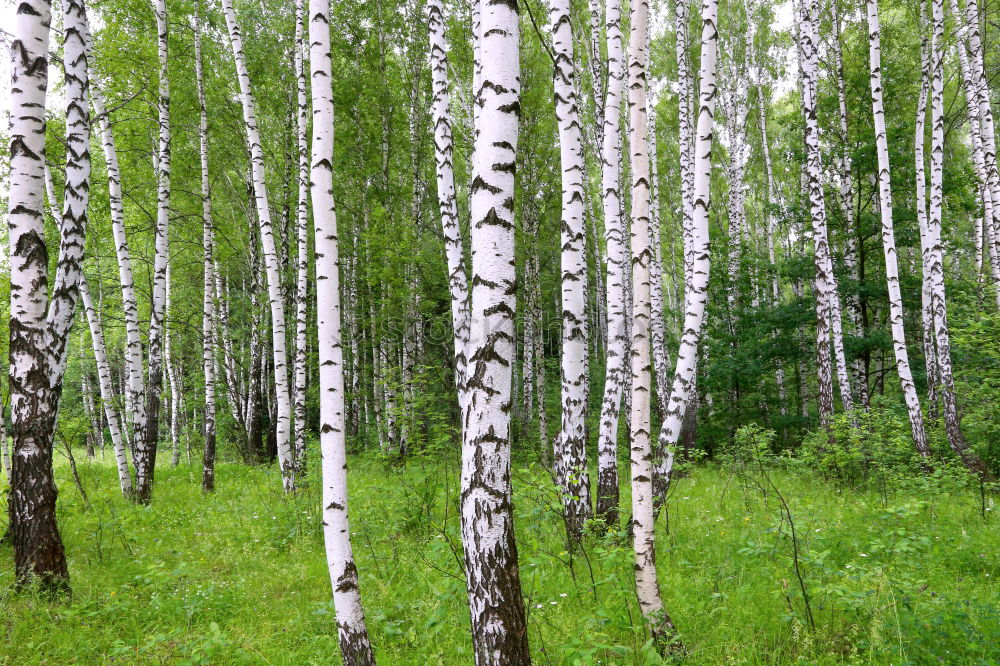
38	549
280	353
209	277
571	451
696	291
443	158
147	434
987	129
175	396
926	309
847	204
889	239
935	250
976	114
355	647
827	300
499	629
302	236
657	326
107	393
641	449
614	234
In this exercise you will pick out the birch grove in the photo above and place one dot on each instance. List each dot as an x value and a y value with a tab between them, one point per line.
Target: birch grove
398	288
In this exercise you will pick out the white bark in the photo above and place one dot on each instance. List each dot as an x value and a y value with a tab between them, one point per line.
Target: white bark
499	630
209	277
657	326
614	234
135	392
847	204
571	451
175	396
353	634
38	549
926	308
888	236
107	393
147	433
770	228
302	236
641	449
827	300
280	353
443	157
696	292
976	116
987	129
935	251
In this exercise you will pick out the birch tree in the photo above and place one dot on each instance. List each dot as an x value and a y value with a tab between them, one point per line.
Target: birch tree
828	319
208	274
846	199
355	647
696	288
889	237
614	236
499	630
107	392
302	236
447	203
147	435
980	116
571	451
641	450
40	323
935	252
280	353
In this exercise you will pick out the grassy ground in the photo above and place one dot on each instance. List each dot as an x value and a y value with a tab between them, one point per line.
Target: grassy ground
894	575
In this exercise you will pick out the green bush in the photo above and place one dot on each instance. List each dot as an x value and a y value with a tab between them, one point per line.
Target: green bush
861	445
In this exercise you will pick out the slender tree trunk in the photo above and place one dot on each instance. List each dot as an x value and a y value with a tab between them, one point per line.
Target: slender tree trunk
280	353
107	393
614	235
987	130
847	205
302	235
571	449
926	309
985	195
355	647
175	397
888	237
209	279
499	628
827	300
658	325
443	157
935	251
696	291
147	435
773	201
641	457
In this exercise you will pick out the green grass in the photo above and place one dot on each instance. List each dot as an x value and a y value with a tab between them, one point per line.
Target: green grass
900	576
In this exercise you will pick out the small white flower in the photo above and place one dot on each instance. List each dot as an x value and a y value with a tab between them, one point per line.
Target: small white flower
863	554
539	605
563	594
553	603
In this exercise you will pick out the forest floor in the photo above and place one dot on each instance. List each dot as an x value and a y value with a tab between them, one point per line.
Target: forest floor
895	573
